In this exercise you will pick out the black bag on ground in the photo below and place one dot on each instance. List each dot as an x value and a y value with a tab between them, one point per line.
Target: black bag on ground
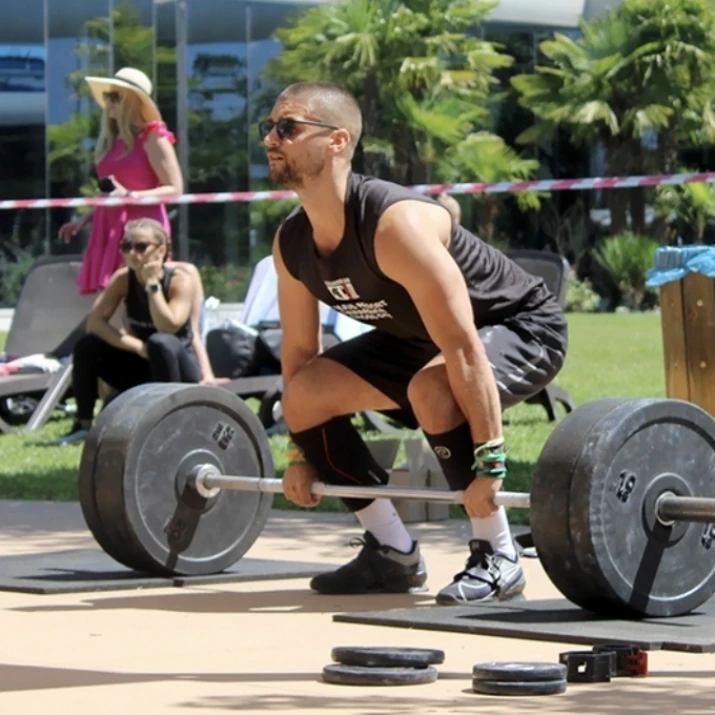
232	350
268	348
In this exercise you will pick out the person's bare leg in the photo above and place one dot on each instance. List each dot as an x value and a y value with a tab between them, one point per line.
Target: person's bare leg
324	389
447	431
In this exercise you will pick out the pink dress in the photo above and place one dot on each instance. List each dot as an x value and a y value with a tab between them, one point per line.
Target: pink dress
134	172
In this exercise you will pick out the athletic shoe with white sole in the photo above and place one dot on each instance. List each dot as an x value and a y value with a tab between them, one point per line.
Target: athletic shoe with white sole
486	576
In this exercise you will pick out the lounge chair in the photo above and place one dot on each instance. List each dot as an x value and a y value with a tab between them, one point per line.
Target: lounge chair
49	319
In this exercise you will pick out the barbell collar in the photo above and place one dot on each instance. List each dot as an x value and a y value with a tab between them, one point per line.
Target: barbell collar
208	481
671	508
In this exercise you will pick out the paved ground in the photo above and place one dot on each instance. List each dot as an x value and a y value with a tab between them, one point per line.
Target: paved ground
260	647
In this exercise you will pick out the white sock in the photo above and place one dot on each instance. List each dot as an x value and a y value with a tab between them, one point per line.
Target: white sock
384	523
495	530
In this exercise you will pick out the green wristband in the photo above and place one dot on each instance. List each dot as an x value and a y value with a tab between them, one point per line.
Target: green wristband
490	459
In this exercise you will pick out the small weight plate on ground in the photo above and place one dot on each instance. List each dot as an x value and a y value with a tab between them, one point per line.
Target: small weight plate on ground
391	657
339	674
550	502
519	671
515	687
635	452
89	467
142	488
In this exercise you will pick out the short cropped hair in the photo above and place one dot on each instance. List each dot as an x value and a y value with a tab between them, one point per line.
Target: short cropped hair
151	226
330	103
452	205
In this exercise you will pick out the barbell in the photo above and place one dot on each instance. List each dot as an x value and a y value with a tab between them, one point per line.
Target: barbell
178	480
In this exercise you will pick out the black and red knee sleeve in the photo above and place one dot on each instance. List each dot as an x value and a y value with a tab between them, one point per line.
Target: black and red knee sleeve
340	456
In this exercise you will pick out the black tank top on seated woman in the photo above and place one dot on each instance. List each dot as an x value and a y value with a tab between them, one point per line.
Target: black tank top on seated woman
139	316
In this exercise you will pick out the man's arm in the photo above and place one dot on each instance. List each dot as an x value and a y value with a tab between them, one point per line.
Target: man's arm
104	308
300	319
410	248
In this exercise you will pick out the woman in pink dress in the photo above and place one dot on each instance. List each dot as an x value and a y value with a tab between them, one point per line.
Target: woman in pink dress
135	152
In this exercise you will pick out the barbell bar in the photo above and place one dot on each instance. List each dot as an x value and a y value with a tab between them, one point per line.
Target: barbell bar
208	482
622	497
671	508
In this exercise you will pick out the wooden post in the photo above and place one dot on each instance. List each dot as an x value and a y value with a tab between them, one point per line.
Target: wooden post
699	314
687	313
672	319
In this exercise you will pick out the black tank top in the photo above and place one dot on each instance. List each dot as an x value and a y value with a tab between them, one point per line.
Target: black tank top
139	316
350	281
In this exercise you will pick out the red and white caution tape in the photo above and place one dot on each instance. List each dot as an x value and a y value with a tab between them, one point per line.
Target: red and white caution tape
499	187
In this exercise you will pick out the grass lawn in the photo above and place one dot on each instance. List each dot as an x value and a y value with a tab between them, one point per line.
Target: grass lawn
609	355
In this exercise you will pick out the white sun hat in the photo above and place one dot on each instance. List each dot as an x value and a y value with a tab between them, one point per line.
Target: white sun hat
126	78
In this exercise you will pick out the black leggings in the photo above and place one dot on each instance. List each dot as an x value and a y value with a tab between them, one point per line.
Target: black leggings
93	358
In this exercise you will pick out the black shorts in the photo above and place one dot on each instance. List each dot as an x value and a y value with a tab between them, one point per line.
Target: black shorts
525	356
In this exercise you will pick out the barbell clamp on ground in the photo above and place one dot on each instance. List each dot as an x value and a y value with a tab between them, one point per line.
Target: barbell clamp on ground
208	481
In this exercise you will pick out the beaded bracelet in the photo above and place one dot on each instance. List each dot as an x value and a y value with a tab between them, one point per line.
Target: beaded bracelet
490	459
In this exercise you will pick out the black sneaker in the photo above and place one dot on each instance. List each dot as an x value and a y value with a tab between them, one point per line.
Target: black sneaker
486	576
376	569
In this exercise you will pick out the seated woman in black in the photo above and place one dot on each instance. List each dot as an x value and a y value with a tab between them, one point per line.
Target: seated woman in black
157	347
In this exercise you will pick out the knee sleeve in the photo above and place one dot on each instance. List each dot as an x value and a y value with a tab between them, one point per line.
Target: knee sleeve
340	456
455	452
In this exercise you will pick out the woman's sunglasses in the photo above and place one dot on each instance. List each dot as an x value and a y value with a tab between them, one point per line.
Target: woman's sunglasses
285	127
138	247
113	97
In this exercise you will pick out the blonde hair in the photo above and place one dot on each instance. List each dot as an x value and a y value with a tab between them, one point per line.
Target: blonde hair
150	226
134	113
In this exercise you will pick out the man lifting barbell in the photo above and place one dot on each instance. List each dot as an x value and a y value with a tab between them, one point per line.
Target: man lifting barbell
461	333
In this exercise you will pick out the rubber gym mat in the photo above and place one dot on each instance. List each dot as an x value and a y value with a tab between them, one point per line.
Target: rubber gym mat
88	570
556	620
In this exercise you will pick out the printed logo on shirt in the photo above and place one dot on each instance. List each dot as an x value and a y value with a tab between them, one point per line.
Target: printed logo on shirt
342	289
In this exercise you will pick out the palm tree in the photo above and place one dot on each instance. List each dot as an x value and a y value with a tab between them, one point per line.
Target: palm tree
421	76
638	74
482	156
588	88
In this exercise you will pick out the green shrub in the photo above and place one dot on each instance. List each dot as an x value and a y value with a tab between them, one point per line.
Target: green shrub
580	296
626	258
227	283
12	276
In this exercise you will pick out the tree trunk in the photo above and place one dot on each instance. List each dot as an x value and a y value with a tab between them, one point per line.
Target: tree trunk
371	128
667	154
488	211
637	195
617	198
401	147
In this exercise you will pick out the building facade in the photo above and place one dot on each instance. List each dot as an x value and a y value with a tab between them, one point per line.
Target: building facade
206	59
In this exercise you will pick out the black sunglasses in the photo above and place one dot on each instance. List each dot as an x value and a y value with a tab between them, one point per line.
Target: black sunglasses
285	127
114	97
138	246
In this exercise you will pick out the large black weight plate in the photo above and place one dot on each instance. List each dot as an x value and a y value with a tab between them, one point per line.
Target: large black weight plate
359	675
90	466
520	672
633	454
515	687
147	453
551	503
374	657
